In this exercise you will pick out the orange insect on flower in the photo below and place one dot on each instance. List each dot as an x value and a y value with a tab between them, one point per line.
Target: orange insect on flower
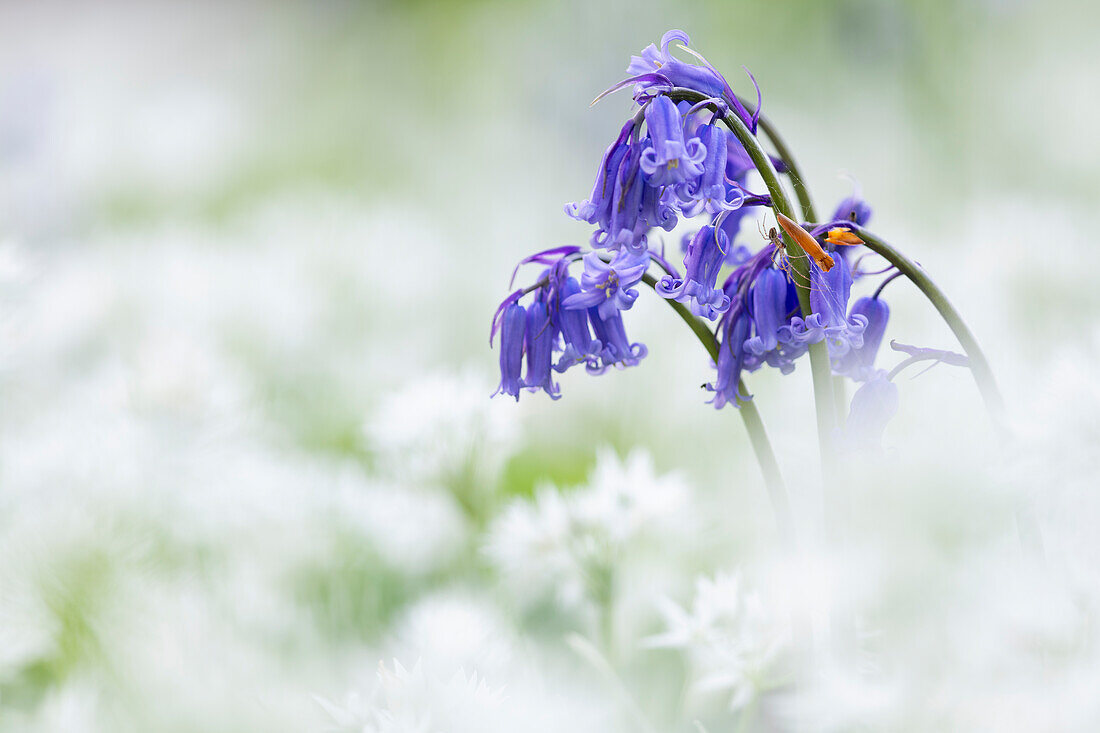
808	244
842	237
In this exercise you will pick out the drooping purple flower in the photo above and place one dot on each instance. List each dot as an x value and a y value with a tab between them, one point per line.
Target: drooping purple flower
669	159
829	292
731	361
539	340
873	406
710	192
626	226
859	362
607	286
706	254
657	208
617	349
512	328
579	346
657	69
853	209
703	79
596	209
769	311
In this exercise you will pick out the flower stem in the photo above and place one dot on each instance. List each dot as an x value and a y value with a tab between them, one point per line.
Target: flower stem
979	367
754	424
798	183
819	353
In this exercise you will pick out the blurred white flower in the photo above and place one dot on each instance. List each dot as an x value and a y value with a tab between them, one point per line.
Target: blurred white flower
625	499
563	542
414	701
442	423
531	543
415	530
453	630
733	641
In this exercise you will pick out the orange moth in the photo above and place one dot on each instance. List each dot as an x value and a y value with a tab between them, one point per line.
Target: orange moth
842	236
810	246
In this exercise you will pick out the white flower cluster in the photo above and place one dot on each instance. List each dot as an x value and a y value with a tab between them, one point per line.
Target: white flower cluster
732	640
565	542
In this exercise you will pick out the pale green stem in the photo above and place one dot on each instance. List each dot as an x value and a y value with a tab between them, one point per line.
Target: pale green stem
979	367
802	192
819	353
794	173
758	436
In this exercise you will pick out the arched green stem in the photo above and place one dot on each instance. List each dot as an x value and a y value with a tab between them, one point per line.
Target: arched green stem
979	367
794	173
819	353
758	436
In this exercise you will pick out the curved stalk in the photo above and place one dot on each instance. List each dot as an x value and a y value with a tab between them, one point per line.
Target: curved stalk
979	367
798	183
758	436
819	353
802	192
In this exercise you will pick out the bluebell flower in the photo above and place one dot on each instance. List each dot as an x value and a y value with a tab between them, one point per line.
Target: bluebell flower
829	292
512	328
703	79
617	349
657	69
731	361
706	254
539	338
607	286
769	311
859	362
596	209
772	300
579	346
657	208
669	159
853	209
710	191
873	406
623	204
627	225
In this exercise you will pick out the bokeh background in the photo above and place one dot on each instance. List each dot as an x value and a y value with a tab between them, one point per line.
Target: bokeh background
250	477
